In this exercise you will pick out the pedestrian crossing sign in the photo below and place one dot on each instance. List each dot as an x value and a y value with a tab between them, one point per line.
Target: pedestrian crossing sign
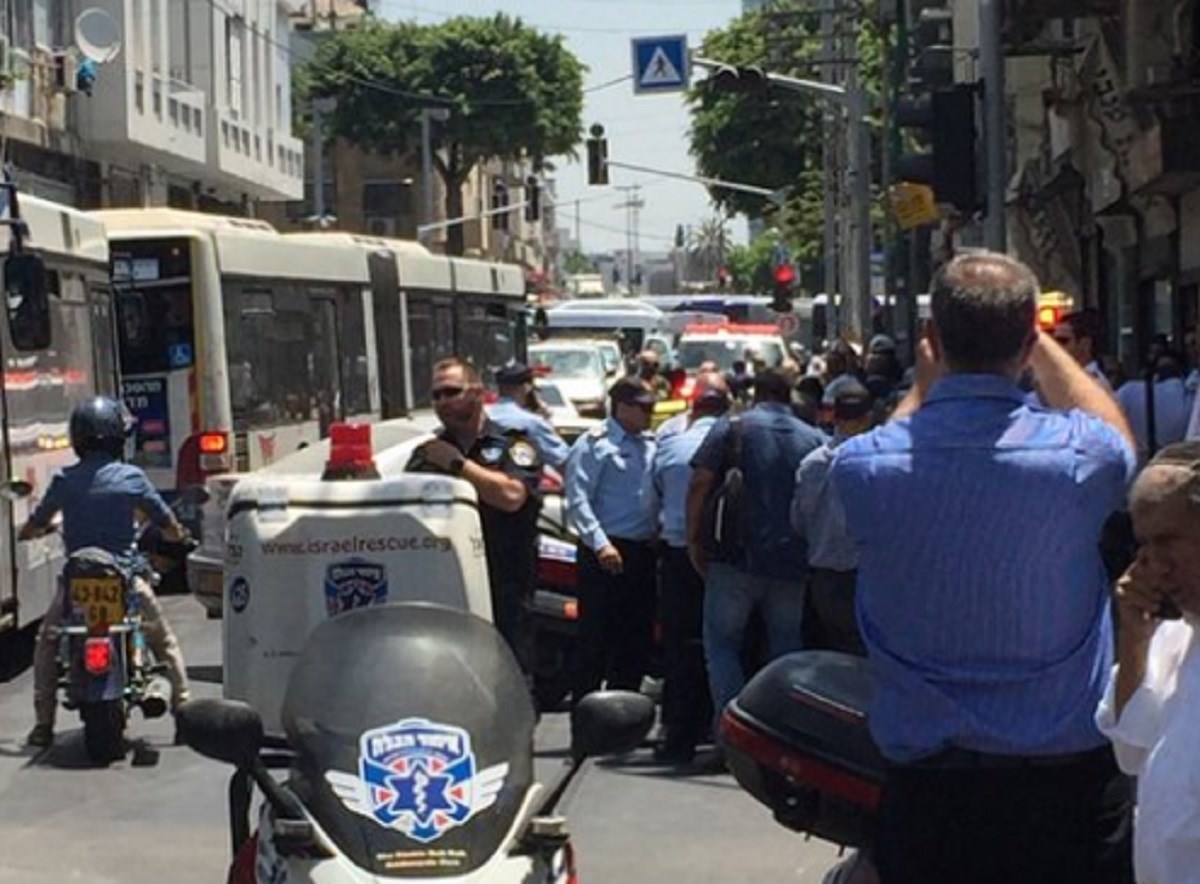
660	64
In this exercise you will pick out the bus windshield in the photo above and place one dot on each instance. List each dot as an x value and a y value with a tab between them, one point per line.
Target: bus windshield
153	293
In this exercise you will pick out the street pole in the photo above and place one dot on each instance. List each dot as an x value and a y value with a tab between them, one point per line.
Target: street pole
320	107
991	67
428	116
829	166
858	143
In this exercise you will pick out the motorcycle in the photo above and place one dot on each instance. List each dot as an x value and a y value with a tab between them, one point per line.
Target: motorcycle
408	745
796	739
105	667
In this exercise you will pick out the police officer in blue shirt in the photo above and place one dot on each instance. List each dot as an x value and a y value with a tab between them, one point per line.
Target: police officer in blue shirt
100	498
612	506
687	705
514	382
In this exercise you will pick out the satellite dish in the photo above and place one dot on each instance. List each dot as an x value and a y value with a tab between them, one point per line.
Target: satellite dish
97	36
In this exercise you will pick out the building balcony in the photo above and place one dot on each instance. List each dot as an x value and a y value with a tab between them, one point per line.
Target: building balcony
266	163
141	115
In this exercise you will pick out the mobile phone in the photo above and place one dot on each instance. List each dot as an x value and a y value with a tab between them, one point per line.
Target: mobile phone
1168	610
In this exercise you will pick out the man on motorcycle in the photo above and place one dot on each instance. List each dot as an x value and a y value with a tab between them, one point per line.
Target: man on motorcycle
100	498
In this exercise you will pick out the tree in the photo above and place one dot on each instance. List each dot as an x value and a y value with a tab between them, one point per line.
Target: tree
773	139
512	92
707	247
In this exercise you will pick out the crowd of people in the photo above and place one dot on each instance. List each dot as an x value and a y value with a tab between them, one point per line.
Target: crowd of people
945	521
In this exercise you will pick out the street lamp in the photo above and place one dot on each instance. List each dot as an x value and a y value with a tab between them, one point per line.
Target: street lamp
429	115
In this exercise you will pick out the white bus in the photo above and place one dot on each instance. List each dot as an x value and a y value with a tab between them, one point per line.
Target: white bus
239	344
43	384
235	345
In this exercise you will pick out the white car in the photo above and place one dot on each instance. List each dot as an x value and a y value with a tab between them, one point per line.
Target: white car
578	371
728	344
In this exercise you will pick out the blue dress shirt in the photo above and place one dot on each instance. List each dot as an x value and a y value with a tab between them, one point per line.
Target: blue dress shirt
609	486
817	513
509	416
98	498
982	597
673	474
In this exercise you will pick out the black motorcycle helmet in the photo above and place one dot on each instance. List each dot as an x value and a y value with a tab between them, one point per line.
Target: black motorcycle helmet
100	424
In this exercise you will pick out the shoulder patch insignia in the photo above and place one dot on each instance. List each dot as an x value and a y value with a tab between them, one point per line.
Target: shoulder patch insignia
598	432
522	453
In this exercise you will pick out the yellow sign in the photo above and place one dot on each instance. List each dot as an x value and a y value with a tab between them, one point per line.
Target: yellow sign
913	205
100	599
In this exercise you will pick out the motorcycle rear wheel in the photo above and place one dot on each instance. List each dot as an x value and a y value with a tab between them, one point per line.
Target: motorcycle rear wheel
104	730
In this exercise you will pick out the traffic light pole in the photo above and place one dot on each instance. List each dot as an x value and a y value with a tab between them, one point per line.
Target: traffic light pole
856	320
991	68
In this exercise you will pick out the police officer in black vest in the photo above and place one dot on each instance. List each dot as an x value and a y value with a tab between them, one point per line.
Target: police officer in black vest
505	469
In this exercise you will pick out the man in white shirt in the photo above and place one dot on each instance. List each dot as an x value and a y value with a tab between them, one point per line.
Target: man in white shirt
1151	710
1172	406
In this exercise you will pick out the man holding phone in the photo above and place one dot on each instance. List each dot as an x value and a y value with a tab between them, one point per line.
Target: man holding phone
1151	710
983	600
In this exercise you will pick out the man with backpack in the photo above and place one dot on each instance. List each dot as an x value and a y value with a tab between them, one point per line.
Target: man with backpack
739	530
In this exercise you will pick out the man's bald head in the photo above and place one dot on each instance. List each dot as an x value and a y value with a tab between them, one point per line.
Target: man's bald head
1172	476
710	395
984	305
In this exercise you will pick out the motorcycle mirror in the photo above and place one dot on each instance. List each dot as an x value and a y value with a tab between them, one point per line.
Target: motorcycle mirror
610	723
15	489
224	730
197	495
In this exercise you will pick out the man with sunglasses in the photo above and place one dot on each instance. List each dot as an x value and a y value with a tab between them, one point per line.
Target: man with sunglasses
613	508
504	468
1079	334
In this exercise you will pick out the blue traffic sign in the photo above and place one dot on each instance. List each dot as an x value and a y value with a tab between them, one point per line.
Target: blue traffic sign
660	64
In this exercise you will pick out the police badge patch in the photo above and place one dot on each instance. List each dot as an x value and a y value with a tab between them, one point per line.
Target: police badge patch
522	454
355	583
419	778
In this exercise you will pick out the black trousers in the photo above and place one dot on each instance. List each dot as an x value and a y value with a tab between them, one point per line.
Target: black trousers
510	613
687	703
1068	823
831	601
616	619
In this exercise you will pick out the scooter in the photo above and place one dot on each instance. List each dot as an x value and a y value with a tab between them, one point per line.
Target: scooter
409	753
105	667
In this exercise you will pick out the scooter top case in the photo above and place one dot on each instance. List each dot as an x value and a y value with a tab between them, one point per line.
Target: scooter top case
301	550
413	732
796	739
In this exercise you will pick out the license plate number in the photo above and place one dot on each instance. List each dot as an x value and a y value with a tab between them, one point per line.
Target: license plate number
101	600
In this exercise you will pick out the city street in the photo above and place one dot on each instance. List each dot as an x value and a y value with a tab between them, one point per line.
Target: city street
160	817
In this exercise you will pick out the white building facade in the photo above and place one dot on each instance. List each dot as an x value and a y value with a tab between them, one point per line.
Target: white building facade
195	110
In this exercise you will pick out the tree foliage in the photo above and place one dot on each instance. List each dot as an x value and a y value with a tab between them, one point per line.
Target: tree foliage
511	91
773	139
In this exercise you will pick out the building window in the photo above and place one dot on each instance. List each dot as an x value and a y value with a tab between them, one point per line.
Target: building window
234	34
386	199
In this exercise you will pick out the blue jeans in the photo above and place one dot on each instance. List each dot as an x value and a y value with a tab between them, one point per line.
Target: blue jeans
730	597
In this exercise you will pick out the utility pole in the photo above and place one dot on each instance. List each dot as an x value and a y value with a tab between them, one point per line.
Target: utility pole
829	163
632	204
428	116
858	319
320	107
578	229
995	129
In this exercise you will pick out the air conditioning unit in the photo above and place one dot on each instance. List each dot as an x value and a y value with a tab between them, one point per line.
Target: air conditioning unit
65	72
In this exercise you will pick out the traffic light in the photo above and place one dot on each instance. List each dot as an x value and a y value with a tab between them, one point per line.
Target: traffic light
533	199
597	157
947	117
933	40
743	80
785	282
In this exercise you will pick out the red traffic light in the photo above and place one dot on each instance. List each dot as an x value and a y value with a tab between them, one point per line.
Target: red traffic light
785	275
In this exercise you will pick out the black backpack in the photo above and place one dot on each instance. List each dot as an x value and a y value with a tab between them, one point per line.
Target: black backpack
723	511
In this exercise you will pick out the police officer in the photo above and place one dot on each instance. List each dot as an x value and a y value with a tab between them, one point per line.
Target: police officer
612	507
686	707
504	468
100	499
514	382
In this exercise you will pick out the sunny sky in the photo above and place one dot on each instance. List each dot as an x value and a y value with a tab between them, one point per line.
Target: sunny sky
647	130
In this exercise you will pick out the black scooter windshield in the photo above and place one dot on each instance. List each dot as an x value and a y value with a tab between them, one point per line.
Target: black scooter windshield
413	729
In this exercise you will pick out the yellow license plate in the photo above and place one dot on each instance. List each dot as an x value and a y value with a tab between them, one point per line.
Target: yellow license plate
101	600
